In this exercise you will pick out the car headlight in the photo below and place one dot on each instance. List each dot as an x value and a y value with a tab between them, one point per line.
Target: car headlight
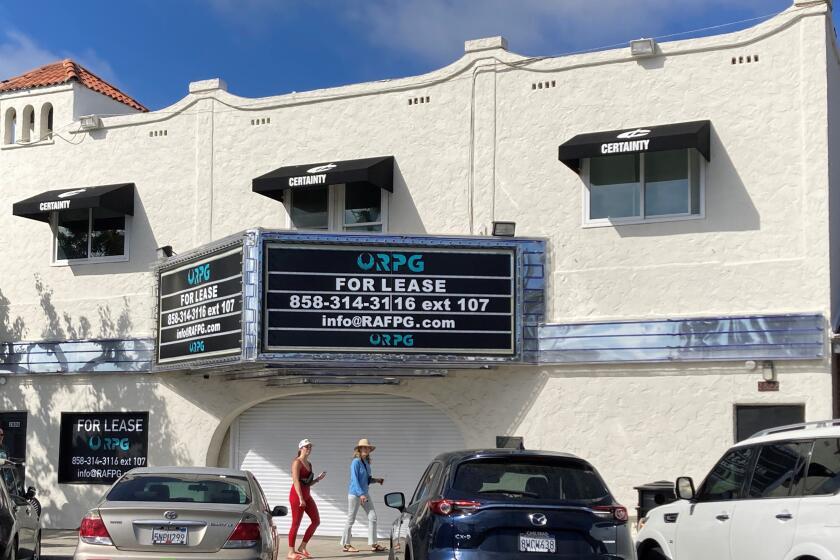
642	522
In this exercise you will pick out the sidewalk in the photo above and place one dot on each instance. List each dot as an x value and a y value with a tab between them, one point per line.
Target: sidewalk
328	547
60	544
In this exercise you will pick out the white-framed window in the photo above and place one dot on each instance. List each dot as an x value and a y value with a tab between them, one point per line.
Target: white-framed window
358	208
89	235
645	187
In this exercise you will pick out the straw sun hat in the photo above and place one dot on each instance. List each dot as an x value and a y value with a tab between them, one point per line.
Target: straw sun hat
364	443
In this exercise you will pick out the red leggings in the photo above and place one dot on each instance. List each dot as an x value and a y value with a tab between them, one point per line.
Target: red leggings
297	516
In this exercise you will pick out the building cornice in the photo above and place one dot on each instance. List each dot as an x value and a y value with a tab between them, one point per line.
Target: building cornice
470	64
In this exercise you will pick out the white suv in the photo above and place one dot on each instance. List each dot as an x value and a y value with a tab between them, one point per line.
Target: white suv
773	496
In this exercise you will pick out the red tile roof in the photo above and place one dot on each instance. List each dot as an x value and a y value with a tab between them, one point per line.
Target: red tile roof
63	72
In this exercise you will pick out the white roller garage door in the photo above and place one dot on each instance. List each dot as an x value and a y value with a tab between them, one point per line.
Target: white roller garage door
407	434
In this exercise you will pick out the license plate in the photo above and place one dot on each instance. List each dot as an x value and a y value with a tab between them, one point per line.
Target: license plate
537	542
174	535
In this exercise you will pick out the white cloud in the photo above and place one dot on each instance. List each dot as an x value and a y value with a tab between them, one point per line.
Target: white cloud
436	29
96	64
19	53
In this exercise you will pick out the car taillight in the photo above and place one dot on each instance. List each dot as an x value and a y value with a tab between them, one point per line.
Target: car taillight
93	530
618	513
453	507
246	535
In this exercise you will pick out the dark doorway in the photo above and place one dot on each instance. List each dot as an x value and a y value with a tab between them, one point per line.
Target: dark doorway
13	442
750	419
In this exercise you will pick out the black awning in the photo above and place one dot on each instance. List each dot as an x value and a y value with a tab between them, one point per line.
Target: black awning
378	171
118	198
643	139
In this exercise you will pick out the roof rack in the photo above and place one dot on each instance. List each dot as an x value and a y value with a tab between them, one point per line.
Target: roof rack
800	426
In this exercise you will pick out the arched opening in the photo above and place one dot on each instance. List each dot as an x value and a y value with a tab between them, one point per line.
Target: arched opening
408	434
10	127
27	130
46	128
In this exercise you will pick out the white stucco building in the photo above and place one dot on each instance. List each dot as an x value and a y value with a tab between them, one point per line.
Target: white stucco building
679	250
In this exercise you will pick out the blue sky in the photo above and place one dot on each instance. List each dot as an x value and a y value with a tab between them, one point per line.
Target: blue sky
153	49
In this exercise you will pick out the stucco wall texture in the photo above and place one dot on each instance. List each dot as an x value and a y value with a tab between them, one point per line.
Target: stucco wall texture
635	424
483	148
464	160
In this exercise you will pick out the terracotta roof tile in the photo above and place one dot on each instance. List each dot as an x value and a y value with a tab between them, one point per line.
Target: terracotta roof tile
65	71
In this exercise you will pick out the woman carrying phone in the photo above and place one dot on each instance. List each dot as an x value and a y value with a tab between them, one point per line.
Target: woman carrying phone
301	501
358	495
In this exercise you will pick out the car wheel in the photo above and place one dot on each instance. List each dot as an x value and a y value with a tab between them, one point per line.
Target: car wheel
36	505
654	553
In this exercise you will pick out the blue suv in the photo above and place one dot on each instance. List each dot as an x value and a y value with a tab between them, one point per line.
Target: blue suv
506	503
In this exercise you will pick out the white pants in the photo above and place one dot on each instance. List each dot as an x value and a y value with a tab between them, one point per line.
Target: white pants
353	503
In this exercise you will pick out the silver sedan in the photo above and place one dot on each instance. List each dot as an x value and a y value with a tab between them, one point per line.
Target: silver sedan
175	512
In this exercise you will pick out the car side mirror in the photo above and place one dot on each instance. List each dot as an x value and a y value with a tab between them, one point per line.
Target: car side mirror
30	493
279	511
395	500
685	488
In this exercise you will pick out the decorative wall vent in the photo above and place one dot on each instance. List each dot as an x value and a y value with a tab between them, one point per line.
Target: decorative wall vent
749	59
544	85
419	100
156	133
260	121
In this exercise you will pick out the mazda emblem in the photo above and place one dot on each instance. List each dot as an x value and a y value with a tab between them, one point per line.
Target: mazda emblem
538	519
170	514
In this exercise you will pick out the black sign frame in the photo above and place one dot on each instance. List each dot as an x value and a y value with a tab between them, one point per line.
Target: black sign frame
195	320
509	351
102	457
13	424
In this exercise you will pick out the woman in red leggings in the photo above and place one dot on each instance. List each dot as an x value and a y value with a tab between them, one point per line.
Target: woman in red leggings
301	501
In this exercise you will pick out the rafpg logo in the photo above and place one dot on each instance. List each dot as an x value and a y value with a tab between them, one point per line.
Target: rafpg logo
322	168
638	133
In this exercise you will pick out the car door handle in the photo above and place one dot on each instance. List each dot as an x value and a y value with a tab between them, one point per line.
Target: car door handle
784	516
722	516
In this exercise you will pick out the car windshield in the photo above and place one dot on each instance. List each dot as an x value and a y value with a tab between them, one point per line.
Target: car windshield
528	478
201	489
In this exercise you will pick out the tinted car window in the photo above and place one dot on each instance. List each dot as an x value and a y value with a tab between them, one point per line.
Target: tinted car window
532	479
778	468
425	484
181	488
726	480
823	476
10	480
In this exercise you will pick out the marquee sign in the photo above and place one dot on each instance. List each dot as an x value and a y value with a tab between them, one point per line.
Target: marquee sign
389	299
200	308
99	447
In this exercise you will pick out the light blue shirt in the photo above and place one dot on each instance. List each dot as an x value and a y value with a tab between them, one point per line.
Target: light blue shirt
359	477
